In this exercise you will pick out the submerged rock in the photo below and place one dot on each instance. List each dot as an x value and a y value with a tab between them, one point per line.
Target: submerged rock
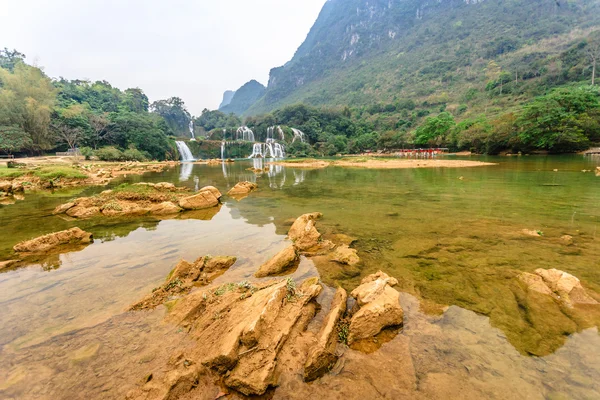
322	357
303	232
48	242
379	307
345	255
279	263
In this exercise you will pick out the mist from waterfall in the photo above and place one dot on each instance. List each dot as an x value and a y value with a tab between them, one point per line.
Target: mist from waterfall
184	151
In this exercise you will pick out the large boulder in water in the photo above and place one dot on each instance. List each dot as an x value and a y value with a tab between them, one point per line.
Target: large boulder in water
242	190
379	307
165	208
343	254
279	263
207	197
48	242
303	232
566	286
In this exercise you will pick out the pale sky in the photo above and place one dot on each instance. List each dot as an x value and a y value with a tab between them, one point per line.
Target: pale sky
191	49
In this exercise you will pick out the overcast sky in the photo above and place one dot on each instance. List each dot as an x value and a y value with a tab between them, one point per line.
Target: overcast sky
192	49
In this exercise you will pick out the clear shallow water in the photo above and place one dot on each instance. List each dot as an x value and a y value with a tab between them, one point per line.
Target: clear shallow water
450	241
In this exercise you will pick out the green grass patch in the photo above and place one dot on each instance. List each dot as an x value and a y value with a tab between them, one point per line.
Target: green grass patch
11	172
50	173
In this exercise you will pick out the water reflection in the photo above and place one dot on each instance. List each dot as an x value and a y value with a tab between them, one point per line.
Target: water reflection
185	171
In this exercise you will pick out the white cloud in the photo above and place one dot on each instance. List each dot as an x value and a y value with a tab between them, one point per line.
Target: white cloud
191	49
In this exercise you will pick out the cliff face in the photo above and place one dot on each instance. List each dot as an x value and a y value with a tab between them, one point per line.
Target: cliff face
244	97
352	40
227	97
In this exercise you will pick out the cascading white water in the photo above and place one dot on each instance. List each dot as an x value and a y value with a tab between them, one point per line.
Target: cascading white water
298	134
191	127
222	150
281	134
257	151
245	133
184	151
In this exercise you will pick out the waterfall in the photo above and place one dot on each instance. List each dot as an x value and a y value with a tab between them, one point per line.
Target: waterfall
281	134
257	151
223	150
191	126
245	133
298	134
184	151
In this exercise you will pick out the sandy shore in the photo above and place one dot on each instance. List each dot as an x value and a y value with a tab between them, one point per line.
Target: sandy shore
386	164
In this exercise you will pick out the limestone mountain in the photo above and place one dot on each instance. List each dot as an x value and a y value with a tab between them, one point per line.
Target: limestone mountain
227	97
360	52
244	97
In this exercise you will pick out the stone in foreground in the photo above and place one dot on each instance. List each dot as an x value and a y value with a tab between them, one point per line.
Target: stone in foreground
379	307
303	232
323	356
207	197
279	263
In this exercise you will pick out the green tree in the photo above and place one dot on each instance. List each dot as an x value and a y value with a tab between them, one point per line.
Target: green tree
175	114
27	98
435	129
9	58
13	139
558	121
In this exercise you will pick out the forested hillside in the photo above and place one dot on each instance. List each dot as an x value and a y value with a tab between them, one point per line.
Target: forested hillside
243	98
40	115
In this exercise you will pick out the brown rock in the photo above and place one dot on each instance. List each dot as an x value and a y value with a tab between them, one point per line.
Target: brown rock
380	313
17	187
531	233
165	208
219	263
207	197
345	255
63	208
7	264
279	263
303	232
323	355
83	212
566	286
50	241
165	186
242	188
379	307
6	187
535	283
567	240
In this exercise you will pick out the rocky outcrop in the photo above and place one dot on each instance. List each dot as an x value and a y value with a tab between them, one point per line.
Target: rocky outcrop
379	307
303	232
280	263
242	190
42	244
241	331
323	355
564	286
159	199
184	276
207	197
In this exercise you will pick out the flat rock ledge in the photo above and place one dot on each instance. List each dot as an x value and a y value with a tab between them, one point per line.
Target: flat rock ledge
47	243
247	335
160	199
183	277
